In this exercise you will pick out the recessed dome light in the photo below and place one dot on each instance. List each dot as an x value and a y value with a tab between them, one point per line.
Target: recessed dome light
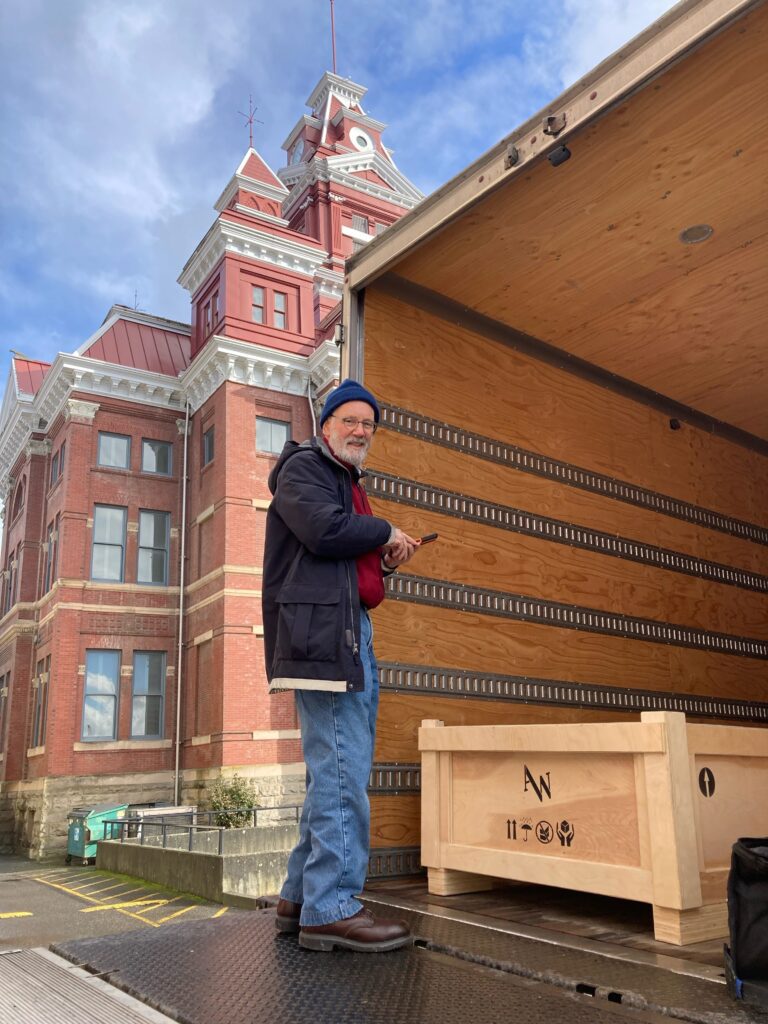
696	233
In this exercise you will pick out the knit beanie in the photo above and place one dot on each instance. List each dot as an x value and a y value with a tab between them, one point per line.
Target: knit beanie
348	391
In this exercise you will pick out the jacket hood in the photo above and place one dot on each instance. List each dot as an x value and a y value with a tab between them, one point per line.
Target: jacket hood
293	448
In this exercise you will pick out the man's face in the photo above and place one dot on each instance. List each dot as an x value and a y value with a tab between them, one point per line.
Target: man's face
350	443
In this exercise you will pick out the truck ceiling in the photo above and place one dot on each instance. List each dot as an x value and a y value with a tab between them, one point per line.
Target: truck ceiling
643	250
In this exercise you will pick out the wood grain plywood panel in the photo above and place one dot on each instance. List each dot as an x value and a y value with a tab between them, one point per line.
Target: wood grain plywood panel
723	373
493	390
553	251
597	793
424	635
411	458
401	715
483	556
723	467
395	820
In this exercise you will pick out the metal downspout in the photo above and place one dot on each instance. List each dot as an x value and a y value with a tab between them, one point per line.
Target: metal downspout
182	566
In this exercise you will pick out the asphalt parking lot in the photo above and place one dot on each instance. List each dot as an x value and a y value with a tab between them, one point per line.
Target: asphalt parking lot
41	904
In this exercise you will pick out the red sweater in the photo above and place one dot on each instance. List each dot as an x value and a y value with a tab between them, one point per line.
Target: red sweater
370	578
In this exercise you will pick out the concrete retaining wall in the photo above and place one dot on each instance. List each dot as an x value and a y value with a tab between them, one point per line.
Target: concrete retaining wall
253	864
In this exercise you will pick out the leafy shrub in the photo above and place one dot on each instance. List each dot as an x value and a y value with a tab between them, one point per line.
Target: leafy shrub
232	798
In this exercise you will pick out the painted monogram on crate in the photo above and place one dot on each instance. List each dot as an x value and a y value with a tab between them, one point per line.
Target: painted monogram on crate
524	829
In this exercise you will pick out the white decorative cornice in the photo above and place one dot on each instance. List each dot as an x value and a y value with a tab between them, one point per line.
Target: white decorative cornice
245	240
339	170
250	211
370	160
329	283
347	91
79	411
242	183
225	359
358	118
293	172
35	447
70	373
305	121
126	382
324	364
16	431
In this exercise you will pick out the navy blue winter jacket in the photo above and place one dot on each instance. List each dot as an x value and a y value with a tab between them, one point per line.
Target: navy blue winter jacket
310	600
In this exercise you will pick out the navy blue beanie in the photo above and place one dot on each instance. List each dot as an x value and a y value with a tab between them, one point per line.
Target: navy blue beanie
348	391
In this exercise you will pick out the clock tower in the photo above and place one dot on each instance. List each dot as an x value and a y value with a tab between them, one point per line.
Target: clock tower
344	188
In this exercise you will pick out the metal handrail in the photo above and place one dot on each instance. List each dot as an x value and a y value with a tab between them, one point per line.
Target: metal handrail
123	825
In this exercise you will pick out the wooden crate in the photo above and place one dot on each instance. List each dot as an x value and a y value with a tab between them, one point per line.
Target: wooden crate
641	810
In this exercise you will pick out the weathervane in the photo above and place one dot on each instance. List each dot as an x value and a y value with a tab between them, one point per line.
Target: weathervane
333	38
250	117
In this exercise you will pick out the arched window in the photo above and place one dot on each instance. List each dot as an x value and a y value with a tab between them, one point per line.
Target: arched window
18	500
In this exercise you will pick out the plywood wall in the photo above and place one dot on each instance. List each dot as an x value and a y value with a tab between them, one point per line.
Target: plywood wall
419	363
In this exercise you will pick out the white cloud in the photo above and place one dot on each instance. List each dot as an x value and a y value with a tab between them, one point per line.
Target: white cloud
121	124
114	87
518	64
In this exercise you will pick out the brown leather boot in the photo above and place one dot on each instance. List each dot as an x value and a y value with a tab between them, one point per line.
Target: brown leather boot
362	933
287	916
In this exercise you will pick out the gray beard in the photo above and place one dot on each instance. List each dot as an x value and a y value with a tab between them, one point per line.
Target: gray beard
352	454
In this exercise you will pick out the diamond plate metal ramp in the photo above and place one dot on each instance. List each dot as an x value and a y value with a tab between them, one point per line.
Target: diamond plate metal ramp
241	971
674	993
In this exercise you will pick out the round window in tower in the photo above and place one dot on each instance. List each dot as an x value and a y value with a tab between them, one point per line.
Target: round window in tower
360	140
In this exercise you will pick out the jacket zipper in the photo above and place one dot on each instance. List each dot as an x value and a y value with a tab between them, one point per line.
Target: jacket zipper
351	635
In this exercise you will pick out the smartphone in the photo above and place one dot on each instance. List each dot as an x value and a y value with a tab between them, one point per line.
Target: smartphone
428	538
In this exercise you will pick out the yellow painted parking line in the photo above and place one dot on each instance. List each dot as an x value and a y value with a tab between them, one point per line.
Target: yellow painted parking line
16	913
220	913
128	892
152	904
107	888
122	906
91	899
177	913
85	885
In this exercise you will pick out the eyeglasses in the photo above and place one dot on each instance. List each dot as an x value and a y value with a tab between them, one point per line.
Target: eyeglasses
352	423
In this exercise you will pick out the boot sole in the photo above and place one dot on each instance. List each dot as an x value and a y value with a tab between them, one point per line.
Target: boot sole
326	943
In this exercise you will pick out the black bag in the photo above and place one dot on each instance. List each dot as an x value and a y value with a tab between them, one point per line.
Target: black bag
746	961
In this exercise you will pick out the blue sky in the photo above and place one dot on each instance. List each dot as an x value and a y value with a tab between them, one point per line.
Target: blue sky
120	122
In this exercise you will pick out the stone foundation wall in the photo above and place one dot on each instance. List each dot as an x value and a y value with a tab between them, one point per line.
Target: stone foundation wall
33	815
274	785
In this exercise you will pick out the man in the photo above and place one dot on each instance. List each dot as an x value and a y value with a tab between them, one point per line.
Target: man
324	562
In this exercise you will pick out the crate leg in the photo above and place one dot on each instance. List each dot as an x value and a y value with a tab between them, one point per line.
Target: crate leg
445	882
684	927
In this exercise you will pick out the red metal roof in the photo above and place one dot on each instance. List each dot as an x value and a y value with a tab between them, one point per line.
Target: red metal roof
256	168
29	374
144	347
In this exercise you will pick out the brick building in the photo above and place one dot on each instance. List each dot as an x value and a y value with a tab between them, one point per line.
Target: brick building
131	658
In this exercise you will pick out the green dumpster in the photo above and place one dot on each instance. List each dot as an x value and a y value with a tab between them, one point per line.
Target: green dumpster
87	826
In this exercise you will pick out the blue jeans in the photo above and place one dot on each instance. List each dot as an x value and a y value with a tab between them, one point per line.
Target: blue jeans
327	868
